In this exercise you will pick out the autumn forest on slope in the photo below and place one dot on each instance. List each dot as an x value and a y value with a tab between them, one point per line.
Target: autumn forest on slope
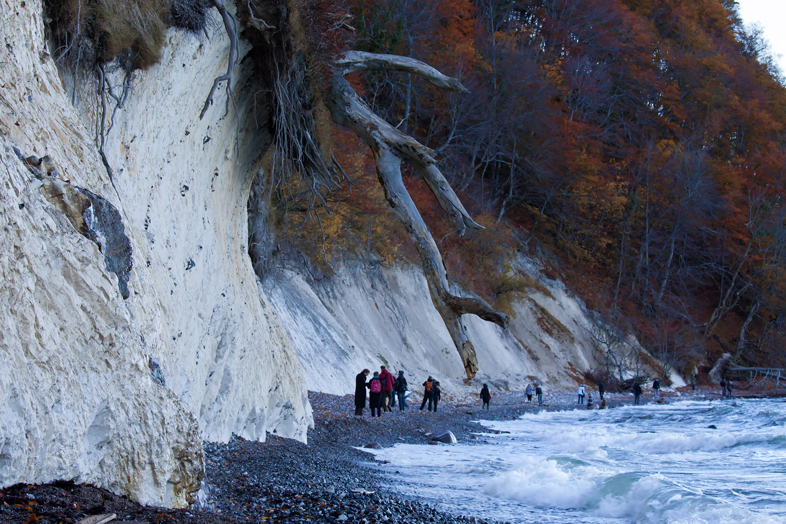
636	147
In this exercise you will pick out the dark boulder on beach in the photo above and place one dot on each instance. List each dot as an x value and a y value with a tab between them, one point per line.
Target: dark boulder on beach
447	437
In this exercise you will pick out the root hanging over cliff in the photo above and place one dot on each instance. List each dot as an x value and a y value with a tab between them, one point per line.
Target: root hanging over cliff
390	146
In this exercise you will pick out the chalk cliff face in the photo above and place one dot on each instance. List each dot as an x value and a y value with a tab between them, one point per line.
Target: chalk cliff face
133	326
365	317
78	398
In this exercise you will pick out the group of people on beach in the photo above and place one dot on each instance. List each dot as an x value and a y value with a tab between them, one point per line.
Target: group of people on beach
384	391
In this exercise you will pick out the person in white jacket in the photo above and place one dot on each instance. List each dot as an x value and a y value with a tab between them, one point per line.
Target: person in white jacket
581	394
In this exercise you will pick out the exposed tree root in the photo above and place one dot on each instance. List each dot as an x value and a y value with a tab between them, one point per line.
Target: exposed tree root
390	146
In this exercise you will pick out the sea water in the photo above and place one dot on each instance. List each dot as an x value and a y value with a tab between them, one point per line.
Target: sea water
644	464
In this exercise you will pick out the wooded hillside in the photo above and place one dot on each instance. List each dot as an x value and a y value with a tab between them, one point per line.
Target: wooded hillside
639	143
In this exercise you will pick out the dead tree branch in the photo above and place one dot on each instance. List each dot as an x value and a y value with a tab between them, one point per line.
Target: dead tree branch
390	146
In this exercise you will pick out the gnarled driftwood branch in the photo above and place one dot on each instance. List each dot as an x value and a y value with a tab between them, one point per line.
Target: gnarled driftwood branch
390	146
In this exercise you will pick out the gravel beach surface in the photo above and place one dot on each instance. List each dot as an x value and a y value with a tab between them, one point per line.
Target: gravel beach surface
282	480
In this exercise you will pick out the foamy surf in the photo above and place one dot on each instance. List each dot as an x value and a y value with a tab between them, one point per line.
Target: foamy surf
649	464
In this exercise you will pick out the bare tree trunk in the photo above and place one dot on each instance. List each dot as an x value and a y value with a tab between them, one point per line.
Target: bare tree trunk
743	330
389	147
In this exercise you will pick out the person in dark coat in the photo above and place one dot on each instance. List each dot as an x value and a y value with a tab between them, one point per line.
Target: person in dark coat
539	393
360	392
401	390
656	387
436	394
485	396
636	394
428	385
601	390
375	395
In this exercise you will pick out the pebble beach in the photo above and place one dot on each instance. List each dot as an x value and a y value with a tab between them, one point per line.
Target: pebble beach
329	479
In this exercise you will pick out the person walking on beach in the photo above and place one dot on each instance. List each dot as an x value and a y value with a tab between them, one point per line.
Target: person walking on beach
400	388
693	381
581	394
485	396
636	393
729	387
601	390
539	393
528	392
656	387
428	385
375	395
386	379
723	388
360	392
436	394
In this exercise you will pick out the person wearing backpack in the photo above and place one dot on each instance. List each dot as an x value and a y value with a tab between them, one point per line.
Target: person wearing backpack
528	392
360	392
386	378
428	385
485	396
375	394
401	390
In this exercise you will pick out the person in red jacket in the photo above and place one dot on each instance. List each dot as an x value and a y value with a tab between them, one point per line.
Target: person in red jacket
387	380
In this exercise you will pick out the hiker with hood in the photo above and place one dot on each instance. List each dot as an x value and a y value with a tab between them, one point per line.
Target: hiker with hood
375	394
581	394
428	386
601	391
636	393
436	394
528	392
656	387
360	392
485	396
400	387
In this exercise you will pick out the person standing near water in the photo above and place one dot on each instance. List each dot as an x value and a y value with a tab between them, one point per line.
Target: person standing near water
693	381
723	388
401	390
485	396
360	392
656	387
436	394
528	392
636	393
386	379
428	385
539	393
581	394
375	394
728	388
601	390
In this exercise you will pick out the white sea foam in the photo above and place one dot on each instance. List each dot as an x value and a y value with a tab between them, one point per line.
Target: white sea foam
654	464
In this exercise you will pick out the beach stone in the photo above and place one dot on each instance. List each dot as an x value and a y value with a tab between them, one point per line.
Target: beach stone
447	437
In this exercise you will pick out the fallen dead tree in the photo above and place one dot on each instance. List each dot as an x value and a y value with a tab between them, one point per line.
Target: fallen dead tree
390	146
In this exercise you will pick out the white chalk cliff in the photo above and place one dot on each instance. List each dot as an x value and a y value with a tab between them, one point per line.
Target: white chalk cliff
121	392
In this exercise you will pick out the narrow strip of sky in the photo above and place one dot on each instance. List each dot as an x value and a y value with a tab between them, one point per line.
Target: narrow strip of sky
771	15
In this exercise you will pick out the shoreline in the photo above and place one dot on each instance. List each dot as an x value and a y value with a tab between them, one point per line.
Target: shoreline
326	480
